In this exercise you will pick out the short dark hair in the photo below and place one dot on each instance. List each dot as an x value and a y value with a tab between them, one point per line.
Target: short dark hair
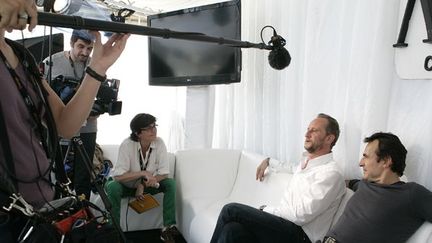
139	122
332	126
389	145
76	38
83	35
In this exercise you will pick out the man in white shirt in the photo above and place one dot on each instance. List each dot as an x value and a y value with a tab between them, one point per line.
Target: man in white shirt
309	202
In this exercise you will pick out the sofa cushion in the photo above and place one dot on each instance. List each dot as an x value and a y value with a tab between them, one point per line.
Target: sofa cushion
204	223
203	176
248	190
189	212
206	172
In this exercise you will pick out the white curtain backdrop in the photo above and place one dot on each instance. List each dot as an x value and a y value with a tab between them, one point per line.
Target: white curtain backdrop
343	65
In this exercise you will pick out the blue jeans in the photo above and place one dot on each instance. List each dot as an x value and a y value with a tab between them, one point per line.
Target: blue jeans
242	223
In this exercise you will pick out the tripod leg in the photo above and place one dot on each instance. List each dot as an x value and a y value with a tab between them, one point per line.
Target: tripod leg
65	156
82	179
78	146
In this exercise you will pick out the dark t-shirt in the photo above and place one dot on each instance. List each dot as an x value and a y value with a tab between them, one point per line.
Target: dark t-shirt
383	213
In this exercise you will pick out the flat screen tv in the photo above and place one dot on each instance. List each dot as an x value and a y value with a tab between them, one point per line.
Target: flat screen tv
175	62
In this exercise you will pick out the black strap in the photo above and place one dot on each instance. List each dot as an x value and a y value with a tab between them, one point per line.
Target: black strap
33	73
74	70
42	127
8	185
6	182
47	129
144	167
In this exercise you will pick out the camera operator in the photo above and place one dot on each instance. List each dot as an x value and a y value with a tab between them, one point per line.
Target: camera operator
71	65
31	114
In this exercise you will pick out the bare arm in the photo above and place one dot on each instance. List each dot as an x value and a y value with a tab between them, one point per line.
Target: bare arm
150	180
131	176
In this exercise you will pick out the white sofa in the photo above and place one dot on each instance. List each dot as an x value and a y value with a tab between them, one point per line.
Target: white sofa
207	179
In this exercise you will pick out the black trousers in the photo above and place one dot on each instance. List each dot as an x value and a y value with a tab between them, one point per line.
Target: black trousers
10	227
242	223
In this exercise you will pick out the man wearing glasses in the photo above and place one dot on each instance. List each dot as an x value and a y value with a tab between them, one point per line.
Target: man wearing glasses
142	167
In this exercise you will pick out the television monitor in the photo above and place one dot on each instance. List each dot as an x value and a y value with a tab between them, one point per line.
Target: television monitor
39	46
175	62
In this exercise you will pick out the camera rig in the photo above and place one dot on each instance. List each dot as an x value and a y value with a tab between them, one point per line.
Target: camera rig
106	98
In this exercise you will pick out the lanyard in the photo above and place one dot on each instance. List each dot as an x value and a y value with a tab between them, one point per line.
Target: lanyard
147	159
74	70
41	124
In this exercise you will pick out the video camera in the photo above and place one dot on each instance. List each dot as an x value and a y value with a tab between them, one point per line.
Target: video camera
106	98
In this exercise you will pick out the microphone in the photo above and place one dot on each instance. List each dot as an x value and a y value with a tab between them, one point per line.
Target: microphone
279	57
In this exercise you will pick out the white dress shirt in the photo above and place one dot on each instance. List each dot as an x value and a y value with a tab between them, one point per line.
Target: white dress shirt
312	196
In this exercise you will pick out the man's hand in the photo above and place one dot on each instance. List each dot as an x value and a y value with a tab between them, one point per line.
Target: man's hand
151	181
139	193
261	169
14	14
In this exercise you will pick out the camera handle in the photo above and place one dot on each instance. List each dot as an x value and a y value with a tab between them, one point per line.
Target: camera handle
77	144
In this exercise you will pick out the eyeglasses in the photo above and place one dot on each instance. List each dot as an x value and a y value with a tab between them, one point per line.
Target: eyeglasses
150	127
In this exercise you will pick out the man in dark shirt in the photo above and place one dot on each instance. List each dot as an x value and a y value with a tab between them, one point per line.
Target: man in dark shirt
383	208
